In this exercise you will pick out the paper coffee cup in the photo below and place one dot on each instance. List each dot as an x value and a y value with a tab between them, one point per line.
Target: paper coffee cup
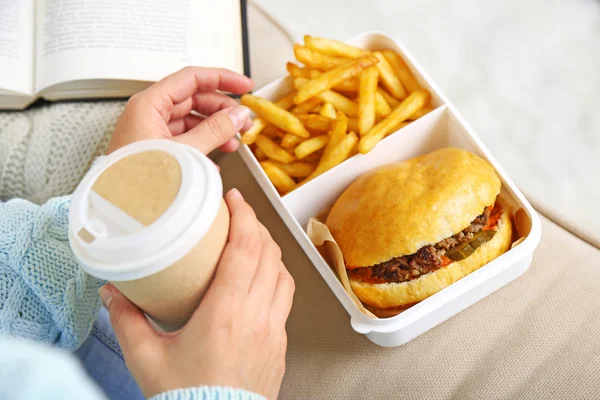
150	218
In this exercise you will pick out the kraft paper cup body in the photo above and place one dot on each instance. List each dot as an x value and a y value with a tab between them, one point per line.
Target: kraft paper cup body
150	218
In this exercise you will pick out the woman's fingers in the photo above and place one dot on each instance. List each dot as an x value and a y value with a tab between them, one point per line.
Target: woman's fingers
282	298
248	125
265	279
182	109
184	124
135	334
182	84
216	130
208	103
230	146
233	144
240	257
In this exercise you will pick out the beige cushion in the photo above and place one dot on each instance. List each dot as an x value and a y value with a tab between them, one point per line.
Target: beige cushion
536	338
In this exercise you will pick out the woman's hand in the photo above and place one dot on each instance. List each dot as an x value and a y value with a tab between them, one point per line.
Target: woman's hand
237	335
164	110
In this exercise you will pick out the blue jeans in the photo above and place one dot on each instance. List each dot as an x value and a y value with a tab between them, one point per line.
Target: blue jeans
102	358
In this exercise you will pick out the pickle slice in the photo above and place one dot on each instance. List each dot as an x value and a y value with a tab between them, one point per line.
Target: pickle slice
478	240
461	252
466	249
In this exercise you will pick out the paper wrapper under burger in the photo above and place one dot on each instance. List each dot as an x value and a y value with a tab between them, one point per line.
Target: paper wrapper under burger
321	237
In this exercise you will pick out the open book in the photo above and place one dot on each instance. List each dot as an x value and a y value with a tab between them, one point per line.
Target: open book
70	49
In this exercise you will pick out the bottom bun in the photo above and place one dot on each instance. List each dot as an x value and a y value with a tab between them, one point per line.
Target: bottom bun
387	312
386	295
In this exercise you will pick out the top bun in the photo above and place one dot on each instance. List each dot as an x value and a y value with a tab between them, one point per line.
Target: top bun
396	209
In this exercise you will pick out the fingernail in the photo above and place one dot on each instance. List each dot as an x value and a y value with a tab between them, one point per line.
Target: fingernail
236	193
105	295
239	115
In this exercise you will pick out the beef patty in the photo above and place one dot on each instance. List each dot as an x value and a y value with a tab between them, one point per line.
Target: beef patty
427	259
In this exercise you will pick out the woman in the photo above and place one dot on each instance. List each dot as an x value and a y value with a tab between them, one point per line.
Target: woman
234	345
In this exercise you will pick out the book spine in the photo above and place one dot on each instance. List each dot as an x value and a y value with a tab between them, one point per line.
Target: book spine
245	40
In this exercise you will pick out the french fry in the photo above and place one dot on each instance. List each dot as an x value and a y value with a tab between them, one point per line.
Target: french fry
317	60
382	108
408	107
366	100
353	124
300	82
333	47
282	181
388	78
298	72
315	122
336	156
333	77
259	154
269	131
313	158
391	100
354	150
272	132
401	69
287	102
398	127
311	145
273	150
307	106
338	133
328	111
340	102
275	115
420	113
258	124
297	169
290	140
351	85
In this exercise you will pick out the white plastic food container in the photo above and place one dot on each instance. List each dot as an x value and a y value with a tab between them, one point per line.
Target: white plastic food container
442	127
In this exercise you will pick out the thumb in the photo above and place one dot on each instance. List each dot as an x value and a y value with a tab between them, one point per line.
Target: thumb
133	330
216	130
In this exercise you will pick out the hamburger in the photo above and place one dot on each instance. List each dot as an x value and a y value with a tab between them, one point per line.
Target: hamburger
409	229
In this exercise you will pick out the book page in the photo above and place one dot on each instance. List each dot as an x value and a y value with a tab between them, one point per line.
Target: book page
217	35
16	45
141	40
110	39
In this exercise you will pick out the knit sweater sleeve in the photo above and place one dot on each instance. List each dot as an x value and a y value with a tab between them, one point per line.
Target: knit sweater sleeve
33	371
208	393
44	294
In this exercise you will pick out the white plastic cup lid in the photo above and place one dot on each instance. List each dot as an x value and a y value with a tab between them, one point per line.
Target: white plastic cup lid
112	245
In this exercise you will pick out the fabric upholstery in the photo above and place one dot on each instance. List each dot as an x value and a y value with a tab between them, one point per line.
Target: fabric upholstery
537	338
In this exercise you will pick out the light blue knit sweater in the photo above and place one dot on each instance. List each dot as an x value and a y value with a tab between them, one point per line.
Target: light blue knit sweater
46	297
